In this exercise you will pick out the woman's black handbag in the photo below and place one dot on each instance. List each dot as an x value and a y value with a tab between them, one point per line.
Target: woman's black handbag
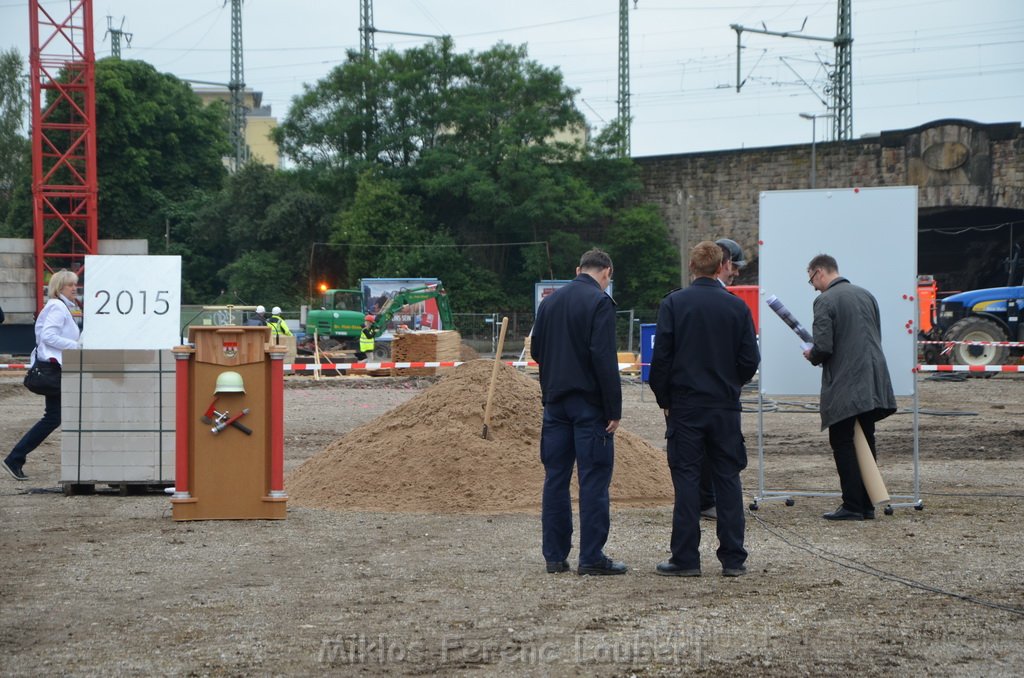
43	378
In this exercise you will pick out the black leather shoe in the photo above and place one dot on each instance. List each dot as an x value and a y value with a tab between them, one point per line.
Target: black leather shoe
670	569
734	571
869	514
556	567
842	514
606	566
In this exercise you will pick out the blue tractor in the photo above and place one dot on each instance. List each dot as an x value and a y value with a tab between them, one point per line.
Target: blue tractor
990	315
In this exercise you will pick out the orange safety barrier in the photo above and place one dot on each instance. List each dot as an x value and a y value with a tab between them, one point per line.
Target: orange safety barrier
749	294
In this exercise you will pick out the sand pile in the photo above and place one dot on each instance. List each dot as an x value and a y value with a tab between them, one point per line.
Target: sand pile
428	454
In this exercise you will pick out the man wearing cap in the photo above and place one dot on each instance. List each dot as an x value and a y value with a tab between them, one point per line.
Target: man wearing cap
733	261
278	326
366	342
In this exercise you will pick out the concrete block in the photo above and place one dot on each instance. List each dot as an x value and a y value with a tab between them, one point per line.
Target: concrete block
138	473
76	474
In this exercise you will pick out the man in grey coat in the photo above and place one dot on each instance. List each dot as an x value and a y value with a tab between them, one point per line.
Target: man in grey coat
855	384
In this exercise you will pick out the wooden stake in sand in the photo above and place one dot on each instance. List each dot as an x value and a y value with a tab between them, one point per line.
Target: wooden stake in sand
316	356
494	375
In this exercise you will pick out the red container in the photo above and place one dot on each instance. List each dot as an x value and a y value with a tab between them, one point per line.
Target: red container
749	294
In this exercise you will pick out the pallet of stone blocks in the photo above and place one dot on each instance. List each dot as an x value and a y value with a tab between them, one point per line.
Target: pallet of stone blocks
424	346
117	418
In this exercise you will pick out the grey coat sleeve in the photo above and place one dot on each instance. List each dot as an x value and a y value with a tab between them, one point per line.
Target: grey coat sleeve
823	331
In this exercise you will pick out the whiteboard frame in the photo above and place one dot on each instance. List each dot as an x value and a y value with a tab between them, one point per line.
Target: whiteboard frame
872	233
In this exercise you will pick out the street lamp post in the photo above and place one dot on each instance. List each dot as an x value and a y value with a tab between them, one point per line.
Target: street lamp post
813	117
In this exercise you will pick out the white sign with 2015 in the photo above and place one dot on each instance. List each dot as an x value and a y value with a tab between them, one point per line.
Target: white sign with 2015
131	302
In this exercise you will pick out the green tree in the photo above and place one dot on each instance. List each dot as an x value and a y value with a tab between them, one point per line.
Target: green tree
195	232
646	264
380	111
381	235
15	168
249	242
254	277
436	146
377	229
156	144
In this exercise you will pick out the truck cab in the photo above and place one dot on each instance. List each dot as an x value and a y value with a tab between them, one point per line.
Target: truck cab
340	316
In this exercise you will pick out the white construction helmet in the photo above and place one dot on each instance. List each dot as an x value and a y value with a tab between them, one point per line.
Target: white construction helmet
276	310
261	309
229	382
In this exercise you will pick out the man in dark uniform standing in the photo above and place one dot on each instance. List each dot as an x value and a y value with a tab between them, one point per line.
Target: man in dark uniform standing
732	262
573	341
704	351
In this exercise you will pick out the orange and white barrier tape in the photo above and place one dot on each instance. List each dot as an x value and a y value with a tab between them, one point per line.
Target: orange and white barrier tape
969	368
312	367
975	343
307	367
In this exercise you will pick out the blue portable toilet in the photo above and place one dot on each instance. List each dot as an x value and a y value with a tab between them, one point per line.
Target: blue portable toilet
646	350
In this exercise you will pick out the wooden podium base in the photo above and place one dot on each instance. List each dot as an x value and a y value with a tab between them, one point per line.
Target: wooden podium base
270	508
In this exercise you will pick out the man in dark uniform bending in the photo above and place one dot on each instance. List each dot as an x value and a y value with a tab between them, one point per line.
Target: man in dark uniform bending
573	341
704	351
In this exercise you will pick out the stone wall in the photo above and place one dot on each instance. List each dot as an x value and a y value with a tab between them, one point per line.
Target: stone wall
17	273
956	164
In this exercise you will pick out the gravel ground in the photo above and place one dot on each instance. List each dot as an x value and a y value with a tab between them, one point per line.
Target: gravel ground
108	584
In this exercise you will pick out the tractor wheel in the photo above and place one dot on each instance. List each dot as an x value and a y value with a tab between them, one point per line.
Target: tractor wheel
930	354
974	328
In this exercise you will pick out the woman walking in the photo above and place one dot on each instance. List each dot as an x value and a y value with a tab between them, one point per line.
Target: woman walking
56	331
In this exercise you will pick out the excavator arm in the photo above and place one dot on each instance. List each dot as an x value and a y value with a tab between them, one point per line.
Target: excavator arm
404	297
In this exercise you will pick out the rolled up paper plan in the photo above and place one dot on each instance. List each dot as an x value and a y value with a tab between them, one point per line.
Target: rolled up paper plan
873	483
788	318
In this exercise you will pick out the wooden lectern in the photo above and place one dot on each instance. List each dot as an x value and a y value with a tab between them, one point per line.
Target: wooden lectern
229	433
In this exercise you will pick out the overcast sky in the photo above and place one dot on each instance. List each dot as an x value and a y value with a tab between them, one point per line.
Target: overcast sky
913	60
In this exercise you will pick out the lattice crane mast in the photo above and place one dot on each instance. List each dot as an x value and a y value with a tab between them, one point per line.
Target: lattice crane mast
64	182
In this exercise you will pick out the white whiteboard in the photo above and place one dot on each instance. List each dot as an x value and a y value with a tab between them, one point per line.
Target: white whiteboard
131	302
872	233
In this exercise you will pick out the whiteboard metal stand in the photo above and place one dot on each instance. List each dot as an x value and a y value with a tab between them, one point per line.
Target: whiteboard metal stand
764	494
794	226
915	499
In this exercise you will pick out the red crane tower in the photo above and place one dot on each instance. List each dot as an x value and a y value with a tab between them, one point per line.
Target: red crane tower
64	183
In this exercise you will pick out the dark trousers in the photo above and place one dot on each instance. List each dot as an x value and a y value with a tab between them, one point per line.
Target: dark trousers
707	485
693	433
37	434
840	437
574	435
